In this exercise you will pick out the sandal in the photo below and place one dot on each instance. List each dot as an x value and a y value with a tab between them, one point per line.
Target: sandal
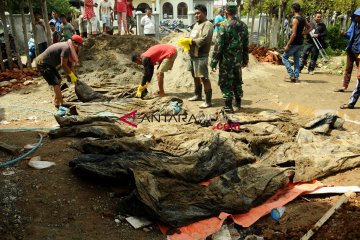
346	106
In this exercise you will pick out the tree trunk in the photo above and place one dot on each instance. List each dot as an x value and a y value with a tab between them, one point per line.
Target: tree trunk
14	33
267	31
2	60
279	25
270	29
259	22
28	62
282	36
248	15
33	26
46	20
6	34
252	24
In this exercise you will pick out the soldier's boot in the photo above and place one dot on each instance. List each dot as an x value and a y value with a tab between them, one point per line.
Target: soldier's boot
208	96
228	108
237	105
197	93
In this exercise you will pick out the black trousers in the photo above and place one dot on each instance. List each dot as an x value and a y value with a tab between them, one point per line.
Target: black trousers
309	49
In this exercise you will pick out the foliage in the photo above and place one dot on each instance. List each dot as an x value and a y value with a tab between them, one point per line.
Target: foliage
60	6
334	40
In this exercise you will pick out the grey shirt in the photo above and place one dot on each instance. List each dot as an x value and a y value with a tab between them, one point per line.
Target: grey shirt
52	55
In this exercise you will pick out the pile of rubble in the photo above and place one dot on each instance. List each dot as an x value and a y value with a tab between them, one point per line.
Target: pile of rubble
264	54
16	79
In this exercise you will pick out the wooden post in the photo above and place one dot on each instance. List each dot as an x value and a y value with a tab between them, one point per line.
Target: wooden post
28	62
2	60
14	33
6	33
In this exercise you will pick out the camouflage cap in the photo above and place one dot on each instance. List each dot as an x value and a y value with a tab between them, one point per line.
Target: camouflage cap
231	7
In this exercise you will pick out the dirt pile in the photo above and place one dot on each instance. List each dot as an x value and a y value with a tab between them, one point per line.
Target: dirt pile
16	79
106	59
263	54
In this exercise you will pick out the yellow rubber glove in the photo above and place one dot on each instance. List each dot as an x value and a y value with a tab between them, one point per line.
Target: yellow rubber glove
185	43
73	78
140	90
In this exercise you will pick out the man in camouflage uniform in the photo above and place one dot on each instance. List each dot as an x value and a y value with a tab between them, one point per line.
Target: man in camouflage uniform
231	52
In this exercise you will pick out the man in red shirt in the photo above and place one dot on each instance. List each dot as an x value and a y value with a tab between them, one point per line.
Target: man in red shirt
129	16
163	55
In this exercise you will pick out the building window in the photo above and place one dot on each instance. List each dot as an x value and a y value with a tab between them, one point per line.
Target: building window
142	7
182	10
168	11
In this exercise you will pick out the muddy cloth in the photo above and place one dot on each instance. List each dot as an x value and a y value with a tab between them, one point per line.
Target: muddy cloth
102	130
77	120
86	94
318	157
324	123
183	203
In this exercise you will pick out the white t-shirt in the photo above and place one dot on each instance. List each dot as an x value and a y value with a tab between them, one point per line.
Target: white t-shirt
105	8
149	24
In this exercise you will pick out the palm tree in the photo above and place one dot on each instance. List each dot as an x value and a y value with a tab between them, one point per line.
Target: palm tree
46	20
6	32
33	27
14	33
28	62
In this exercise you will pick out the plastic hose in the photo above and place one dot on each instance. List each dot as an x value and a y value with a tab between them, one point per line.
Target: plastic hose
25	155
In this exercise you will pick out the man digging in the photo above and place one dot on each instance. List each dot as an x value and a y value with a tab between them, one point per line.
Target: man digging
163	55
64	54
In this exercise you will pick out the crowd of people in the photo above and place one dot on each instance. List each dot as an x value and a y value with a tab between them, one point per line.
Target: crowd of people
230	53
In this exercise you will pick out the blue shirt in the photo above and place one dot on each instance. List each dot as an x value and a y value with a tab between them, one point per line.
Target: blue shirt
218	19
57	23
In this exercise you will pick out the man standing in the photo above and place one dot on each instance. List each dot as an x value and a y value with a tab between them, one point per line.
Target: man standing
129	16
352	49
40	33
294	45
66	29
232	53
55	20
64	54
319	32
104	13
353	55
55	35
163	55
219	18
200	44
148	23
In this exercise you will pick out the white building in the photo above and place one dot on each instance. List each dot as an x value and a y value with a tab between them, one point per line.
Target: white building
172	9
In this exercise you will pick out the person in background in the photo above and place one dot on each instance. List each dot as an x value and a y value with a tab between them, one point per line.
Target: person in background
121	9
129	16
147	22
64	54
105	15
40	33
76	24
163	55
294	45
55	35
319	32
82	26
219	19
200	44
90	16
353	55
231	51
66	29
56	20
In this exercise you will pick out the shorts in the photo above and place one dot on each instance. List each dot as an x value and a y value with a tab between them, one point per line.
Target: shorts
105	20
199	67
130	21
92	25
167	64
50	74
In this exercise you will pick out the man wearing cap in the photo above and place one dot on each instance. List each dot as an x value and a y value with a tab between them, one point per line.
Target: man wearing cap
353	55
163	55
64	54
232	53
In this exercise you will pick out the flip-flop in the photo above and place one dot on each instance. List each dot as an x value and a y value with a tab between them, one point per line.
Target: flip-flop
346	106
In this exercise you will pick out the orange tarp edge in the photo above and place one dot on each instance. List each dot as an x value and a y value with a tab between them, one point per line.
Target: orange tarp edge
201	229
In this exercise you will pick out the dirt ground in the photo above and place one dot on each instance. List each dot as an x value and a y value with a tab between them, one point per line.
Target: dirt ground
56	204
